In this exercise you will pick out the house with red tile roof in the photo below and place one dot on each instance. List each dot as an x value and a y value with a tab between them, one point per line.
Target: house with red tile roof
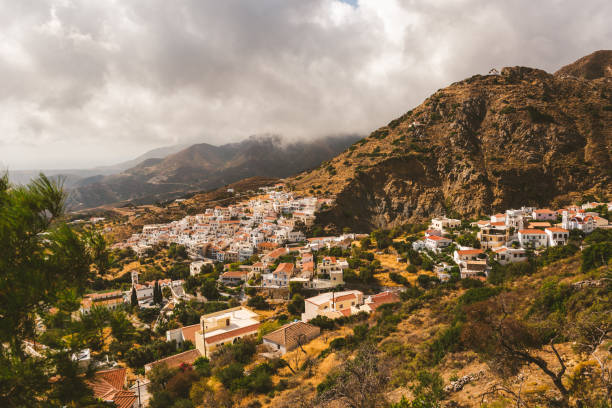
109	386
176	360
373	302
435	242
290	336
532	238
333	304
557	236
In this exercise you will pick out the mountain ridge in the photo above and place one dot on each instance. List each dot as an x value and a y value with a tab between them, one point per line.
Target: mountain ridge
523	136
203	167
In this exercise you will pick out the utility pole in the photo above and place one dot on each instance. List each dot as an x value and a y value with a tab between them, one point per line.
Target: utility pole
138	386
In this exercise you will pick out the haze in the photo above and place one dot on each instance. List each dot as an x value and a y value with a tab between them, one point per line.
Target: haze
85	83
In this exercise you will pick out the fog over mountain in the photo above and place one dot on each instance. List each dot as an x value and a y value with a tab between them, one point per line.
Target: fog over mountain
94	83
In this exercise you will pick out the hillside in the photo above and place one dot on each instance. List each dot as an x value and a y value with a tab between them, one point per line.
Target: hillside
523	137
593	66
204	167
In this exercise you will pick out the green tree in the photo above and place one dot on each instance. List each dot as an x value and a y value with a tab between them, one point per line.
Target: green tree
134	298
41	260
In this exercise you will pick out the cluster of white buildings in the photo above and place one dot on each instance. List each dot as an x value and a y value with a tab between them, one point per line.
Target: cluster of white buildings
236	232
509	235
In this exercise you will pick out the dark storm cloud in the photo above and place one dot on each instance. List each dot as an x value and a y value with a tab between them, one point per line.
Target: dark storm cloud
85	82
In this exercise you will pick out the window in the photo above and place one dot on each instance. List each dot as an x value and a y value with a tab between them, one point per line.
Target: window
227	321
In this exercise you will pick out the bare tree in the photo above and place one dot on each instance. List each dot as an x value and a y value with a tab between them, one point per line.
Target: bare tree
509	342
359	382
591	331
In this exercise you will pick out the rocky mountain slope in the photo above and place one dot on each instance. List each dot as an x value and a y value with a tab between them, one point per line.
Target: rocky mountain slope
204	167
521	137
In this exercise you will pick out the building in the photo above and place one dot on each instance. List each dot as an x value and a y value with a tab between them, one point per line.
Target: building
291	336
109	386
579	221
493	235
462	255
225	326
280	277
195	268
506	255
109	300
333	267
233	277
183	334
333	304
176	360
557	236
473	269
434	242
532	238
544	215
373	302
443	223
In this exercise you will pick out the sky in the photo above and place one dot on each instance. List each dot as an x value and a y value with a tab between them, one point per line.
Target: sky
86	83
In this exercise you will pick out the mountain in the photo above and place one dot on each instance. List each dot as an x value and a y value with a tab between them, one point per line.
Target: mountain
204	167
80	177
521	137
593	66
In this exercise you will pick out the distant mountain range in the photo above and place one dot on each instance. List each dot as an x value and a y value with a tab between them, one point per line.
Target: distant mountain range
489	142
73	177
170	172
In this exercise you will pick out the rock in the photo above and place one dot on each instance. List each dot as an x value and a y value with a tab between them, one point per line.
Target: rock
458	385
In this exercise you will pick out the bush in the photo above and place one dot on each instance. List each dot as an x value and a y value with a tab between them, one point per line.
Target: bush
258	302
323	322
596	255
296	306
399	279
478	294
426	281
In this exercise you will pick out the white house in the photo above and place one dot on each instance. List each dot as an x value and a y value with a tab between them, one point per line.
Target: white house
505	255
434	242
280	277
532	238
333	304
557	236
224	327
442	223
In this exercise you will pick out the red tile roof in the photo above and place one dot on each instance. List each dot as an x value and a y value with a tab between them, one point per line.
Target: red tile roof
345	297
532	231
556	229
115	377
233	333
285	267
176	360
190	331
437	238
470	252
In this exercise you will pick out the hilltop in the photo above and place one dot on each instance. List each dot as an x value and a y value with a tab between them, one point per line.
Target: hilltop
520	137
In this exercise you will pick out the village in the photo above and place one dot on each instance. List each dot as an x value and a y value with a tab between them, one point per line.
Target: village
261	261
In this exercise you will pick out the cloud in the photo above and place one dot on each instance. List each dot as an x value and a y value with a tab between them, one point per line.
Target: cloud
85	83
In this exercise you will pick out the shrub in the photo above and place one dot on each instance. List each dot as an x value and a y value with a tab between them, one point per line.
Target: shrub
323	322
478	294
258	302
399	279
